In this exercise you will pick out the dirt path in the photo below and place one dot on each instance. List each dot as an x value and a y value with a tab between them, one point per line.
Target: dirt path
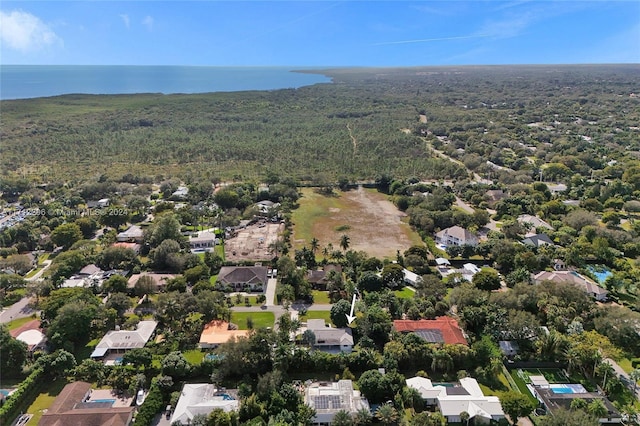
353	140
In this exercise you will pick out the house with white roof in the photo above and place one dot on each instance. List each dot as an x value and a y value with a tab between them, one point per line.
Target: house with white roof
453	400
117	342
327	398
329	339
411	278
201	398
456	236
202	241
586	284
533	221
133	234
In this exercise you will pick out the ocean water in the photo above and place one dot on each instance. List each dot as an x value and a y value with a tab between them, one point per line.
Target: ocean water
34	81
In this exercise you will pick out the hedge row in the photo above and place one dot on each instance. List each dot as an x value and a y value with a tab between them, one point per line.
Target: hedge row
9	409
635	362
150	407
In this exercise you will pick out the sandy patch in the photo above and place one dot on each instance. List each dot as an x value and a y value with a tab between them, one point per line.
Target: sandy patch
375	225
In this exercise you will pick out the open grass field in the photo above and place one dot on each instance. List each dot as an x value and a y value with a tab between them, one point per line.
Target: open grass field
260	319
48	393
194	357
373	224
320	296
405	293
325	315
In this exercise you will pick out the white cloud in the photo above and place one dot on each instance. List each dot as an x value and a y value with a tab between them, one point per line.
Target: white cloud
148	22
25	32
125	19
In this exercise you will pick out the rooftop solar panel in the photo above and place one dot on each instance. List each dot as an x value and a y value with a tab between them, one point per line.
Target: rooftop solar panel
431	335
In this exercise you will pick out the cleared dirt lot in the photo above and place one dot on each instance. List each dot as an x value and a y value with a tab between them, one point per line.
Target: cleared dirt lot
253	242
374	225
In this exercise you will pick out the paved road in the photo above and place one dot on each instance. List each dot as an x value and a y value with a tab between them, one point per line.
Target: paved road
20	309
621	373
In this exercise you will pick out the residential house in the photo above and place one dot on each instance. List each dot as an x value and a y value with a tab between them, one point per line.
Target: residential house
160	280
100	204
117	342
266	207
77	405
202	241
440	330
465	396
533	221
328	398
133	234
467	271
553	397
243	278
133	246
218	332
538	240
180	193
201	398
31	334
329	339
586	284
318	278
456	236
411	278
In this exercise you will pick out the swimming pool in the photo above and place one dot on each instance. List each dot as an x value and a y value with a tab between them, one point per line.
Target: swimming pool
5	392
103	400
227	397
601	273
567	388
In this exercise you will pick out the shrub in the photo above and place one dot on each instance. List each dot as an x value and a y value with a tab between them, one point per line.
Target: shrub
9	409
150	407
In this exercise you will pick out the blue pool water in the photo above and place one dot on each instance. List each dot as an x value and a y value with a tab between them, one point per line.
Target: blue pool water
572	388
4	392
601	274
103	400
227	397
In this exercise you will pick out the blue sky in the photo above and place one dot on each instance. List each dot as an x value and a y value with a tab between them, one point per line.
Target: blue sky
319	33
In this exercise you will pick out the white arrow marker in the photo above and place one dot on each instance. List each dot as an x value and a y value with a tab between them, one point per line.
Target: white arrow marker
351	317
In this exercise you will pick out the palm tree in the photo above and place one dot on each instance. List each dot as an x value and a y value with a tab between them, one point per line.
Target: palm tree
342	418
315	244
387	414
464	416
362	417
344	242
597	409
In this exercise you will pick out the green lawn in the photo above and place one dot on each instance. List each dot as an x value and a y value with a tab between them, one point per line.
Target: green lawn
260	319
219	250
48	393
194	357
405	293
17	323
33	272
42	258
320	297
325	315
625	364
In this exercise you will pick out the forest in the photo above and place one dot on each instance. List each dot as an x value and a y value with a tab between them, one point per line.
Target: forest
366	123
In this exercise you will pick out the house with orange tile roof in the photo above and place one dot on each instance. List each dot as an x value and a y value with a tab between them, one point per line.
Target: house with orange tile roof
218	332
440	330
